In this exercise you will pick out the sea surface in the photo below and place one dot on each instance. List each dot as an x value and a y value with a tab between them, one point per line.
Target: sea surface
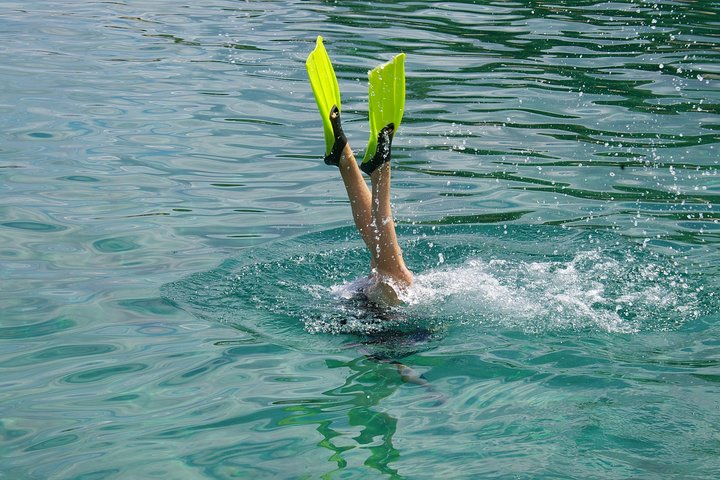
178	266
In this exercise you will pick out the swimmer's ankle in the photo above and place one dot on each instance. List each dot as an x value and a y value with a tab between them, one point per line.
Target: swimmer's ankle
382	152
338	148
347	158
380	172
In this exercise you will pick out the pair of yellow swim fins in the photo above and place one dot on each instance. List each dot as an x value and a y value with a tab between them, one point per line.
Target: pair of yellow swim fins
386	102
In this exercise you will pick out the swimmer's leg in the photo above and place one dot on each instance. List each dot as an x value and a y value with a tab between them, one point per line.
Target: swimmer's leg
371	209
356	188
388	258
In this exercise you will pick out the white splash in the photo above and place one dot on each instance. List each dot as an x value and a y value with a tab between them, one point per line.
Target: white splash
590	291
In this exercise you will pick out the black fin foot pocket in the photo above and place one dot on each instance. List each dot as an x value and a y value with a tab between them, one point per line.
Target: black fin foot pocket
333	158
382	152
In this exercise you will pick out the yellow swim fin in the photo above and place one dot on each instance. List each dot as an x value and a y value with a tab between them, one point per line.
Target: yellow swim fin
325	87
386	103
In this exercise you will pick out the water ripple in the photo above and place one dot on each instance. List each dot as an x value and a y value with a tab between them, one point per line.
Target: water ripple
553	155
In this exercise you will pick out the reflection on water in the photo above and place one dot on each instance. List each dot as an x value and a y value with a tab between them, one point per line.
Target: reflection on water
372	430
556	184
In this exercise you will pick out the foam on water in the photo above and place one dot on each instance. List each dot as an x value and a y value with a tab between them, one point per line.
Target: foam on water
589	291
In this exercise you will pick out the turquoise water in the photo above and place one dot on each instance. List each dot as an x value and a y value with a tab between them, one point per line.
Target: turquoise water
176	262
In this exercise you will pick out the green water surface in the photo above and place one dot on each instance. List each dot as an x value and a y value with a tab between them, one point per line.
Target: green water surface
177	264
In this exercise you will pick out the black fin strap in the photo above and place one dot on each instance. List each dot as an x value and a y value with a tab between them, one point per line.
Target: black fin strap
382	153
333	158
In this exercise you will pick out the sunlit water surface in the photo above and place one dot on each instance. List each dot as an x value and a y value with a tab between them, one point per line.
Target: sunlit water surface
178	267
